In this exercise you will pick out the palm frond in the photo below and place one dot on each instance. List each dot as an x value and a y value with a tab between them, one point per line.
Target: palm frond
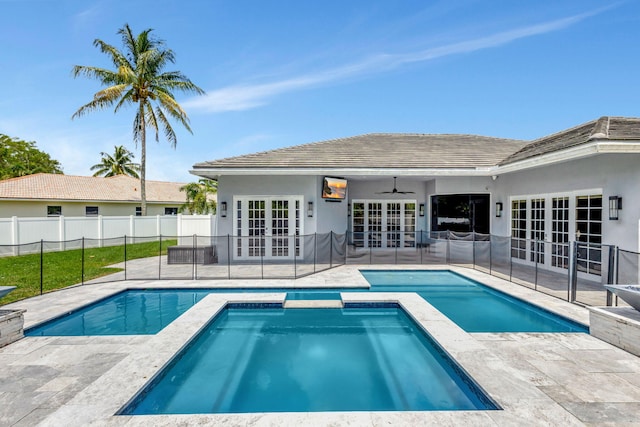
168	130
116	56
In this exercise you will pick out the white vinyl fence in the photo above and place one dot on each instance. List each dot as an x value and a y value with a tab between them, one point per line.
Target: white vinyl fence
20	231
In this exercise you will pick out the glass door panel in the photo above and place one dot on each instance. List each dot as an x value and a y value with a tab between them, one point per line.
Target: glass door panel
256	228
409	225
560	232
393	225
537	231
375	224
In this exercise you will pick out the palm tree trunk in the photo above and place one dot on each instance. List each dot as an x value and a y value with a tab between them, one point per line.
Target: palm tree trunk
143	162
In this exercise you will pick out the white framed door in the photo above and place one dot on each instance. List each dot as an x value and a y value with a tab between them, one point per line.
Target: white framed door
542	227
383	223
267	227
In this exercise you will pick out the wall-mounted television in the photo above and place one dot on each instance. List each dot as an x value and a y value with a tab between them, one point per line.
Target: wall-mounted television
334	188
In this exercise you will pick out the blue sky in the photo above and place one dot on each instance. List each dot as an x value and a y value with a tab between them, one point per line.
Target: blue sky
280	73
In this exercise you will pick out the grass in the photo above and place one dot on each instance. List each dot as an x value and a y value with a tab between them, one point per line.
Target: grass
64	268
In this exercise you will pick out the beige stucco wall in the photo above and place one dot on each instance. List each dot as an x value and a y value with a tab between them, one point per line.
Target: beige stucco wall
39	208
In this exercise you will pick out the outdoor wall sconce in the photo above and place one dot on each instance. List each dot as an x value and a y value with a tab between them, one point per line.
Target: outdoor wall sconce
348	209
310	209
615	205
223	209
421	209
498	209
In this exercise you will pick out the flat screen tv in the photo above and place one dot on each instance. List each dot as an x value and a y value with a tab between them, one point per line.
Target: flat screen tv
334	188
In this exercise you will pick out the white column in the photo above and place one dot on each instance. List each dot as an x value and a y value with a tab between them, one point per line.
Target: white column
132	225
100	230
15	238
179	228
61	233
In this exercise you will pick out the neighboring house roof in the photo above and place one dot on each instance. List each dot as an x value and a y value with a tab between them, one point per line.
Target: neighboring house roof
381	150
120	188
602	129
424	154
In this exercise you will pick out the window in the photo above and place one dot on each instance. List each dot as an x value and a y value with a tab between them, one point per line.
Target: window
171	211
54	210
138	211
91	211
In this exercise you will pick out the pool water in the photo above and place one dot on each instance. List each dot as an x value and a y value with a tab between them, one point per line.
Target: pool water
472	306
301	360
131	312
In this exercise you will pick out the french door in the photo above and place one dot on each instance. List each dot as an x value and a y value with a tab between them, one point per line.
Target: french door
383	223
542	228
267	227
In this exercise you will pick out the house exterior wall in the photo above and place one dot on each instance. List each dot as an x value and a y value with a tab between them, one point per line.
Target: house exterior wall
309	187
606	174
613	174
9	208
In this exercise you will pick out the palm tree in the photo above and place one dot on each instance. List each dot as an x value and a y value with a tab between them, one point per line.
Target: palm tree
121	163
139	79
199	197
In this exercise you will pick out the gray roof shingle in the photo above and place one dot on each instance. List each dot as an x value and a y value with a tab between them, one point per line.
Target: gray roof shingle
604	128
425	151
380	150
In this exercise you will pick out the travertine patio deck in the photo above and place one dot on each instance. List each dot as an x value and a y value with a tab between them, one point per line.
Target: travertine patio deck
538	379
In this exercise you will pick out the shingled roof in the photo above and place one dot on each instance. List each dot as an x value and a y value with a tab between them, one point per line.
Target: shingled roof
380	150
120	188
602	129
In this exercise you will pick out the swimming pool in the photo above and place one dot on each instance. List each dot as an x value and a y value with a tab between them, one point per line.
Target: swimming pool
304	360
471	305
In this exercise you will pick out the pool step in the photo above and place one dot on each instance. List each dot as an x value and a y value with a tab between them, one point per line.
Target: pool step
313	304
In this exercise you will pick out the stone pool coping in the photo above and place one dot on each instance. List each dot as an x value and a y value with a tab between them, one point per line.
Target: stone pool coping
124	380
540	379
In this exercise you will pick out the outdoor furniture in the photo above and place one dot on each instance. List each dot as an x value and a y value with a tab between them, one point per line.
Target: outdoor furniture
184	254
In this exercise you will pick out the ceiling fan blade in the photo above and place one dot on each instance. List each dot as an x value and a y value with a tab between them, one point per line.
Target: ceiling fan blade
395	190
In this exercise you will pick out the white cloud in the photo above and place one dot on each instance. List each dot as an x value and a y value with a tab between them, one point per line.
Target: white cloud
248	96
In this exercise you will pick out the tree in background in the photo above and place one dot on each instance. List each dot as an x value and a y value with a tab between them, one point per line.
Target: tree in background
138	79
199	197
20	158
121	163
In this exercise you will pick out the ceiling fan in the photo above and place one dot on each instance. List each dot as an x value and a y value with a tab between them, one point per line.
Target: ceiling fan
395	190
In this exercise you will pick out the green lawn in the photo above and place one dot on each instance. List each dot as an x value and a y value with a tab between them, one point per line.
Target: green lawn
64	268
